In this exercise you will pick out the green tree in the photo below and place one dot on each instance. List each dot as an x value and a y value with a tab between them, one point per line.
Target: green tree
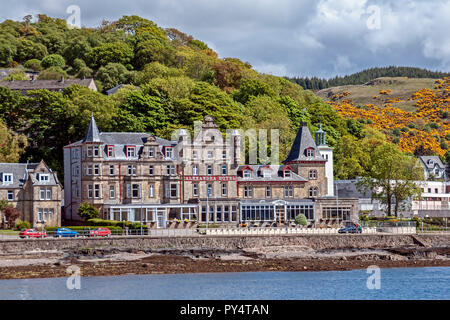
53	60
114	74
33	64
88	211
115	52
12	145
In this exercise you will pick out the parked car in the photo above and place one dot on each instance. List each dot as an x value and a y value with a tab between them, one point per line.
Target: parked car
350	229
32	233
65	232
100	232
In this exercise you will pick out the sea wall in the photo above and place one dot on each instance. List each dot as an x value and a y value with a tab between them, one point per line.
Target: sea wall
317	242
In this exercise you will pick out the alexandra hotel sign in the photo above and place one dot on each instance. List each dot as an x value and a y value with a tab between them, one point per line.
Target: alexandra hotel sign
209	178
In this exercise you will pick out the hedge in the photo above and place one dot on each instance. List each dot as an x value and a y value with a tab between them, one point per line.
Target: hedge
115	223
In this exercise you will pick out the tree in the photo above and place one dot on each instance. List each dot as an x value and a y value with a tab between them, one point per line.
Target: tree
12	145
33	64
88	211
391	176
115	52
114	74
301	220
53	60
11	214
52	73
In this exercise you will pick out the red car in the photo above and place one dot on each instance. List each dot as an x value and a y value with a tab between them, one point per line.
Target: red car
31	233
100	232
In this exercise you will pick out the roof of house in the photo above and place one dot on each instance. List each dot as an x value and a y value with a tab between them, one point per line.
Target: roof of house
92	134
25	85
348	189
21	172
276	174
303	141
430	162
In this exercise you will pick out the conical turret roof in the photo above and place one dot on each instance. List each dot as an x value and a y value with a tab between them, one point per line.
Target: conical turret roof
92	134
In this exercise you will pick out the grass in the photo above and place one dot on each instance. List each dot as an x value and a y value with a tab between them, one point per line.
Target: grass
9	232
401	87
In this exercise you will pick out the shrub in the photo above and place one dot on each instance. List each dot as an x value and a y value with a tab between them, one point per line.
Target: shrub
52	73
81	228
114	223
53	60
88	211
369	121
33	64
364	217
412	125
434	125
22	225
301	220
211	225
405	129
396	132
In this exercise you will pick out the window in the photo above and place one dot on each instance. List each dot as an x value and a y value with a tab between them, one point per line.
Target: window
247	173
96	169
151	170
170	170
90	193
89	170
248	192
131	151
111	169
7	178
135	190
224	190
151	152
45	194
224	169
195	170
97	193
75	171
287	173
209	190
210	154
219	213
224	154
313	191
310	152
436	190
89	151
132	170
209	170
169	152
226	213
266	173
194	154
173	190
112	192
288	191
151	191
436	172
195	189
312	174
268	192
110	151
44	177
96	151
429	190
10	195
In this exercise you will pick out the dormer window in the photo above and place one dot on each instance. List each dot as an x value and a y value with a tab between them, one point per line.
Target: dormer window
7	178
310	152
43	177
287	173
131	151
151	152
430	162
266	173
110	151
247	173
169	152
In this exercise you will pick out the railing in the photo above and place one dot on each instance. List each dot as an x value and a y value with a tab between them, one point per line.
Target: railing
276	231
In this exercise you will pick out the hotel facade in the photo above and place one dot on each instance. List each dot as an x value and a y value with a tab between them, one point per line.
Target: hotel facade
140	177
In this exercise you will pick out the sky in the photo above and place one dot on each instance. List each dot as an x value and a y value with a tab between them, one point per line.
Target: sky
322	38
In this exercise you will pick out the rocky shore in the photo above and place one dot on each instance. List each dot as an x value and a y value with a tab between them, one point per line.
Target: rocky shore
123	261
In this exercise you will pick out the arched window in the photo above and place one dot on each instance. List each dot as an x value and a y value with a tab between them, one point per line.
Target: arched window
312	174
313	191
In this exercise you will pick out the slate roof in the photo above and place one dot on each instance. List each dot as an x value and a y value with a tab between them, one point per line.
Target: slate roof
348	189
21	172
25	85
276	174
303	141
436	160
92	134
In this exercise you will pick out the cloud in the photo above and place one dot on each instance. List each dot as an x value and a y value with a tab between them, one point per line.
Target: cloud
320	38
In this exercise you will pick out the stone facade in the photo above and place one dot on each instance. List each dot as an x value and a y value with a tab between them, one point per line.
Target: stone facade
140	177
34	190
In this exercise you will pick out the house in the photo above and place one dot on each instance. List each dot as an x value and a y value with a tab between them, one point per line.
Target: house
140	177
433	168
34	189
53	85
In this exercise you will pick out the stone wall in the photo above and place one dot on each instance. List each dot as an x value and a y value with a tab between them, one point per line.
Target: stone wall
316	242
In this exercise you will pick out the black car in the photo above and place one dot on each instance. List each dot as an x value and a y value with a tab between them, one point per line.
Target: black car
350	229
